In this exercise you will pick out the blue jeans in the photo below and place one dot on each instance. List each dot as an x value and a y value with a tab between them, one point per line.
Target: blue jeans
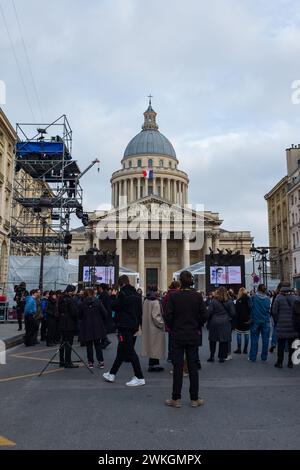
239	340
256	330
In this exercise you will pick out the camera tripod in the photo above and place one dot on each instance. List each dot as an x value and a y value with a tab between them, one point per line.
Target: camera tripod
61	347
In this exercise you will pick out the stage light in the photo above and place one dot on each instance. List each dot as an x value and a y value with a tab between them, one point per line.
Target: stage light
85	219
79	212
67	238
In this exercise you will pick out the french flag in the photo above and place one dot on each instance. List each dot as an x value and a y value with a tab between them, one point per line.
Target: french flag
148	174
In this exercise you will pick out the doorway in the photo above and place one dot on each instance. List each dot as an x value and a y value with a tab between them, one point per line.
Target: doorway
151	277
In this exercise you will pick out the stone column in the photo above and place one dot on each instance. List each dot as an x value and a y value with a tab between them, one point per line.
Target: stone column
142	261
186	194
138	187
154	185
208	242
169	189
131	190
216	240
174	191
146	187
164	264
119	249
186	252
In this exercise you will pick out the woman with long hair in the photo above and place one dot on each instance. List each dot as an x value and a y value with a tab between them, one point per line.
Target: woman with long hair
242	320
92	327
220	314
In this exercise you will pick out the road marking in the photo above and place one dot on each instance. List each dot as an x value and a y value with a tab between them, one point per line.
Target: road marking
19	356
6	442
37	351
25	376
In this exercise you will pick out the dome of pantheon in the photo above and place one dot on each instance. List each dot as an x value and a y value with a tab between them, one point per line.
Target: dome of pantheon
150	153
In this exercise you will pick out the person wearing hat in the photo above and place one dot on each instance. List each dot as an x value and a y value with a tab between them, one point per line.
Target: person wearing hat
283	319
68	315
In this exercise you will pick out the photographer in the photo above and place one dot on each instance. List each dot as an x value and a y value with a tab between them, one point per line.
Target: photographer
20	298
68	315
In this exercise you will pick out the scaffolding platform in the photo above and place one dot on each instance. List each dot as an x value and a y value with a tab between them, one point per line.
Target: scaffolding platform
44	167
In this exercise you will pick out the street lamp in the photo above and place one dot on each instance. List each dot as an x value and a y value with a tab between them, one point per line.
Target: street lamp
44	209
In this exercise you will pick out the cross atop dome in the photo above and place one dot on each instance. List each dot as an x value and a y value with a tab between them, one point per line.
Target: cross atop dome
150	117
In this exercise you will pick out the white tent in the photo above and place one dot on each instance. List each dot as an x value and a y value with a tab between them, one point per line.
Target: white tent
27	269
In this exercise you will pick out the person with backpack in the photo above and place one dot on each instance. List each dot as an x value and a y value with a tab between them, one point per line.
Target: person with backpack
220	314
283	319
260	323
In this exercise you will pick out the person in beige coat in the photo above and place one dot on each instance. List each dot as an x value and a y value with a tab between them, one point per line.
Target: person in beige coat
153	331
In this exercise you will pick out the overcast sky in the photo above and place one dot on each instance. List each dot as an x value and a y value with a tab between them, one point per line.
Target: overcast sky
220	72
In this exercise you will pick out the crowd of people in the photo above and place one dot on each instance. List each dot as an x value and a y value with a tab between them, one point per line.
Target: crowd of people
181	313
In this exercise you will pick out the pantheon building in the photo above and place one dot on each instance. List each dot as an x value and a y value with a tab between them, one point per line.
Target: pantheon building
150	177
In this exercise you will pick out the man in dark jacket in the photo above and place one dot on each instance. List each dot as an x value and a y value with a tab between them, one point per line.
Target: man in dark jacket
283	319
128	318
185	316
68	316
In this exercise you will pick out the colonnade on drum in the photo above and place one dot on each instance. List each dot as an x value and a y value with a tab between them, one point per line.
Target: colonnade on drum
168	188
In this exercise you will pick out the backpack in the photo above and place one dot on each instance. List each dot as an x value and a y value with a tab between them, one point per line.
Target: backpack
296	315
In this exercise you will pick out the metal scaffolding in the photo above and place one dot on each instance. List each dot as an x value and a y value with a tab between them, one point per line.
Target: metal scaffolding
44	168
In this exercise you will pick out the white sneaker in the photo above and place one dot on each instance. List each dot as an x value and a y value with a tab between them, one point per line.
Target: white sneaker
229	357
109	377
135	382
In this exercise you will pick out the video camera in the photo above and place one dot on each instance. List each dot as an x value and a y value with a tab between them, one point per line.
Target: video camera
20	291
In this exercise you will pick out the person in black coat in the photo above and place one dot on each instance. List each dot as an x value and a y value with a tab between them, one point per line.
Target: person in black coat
67	316
283	319
185	315
127	306
51	314
92	327
242	320
105	298
220	314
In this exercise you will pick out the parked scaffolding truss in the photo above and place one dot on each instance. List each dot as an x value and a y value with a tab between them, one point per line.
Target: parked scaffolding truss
44	167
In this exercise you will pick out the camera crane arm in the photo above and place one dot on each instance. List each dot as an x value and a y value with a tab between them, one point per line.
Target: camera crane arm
88	168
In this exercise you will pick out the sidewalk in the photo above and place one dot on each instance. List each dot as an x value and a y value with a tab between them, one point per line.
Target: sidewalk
10	335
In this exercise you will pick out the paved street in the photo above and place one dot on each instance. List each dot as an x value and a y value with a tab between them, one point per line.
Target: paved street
247	406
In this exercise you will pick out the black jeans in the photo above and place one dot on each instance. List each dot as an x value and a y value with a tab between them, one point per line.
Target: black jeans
192	358
43	329
281	348
126	352
90	350
223	349
51	329
30	330
170	346
66	351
